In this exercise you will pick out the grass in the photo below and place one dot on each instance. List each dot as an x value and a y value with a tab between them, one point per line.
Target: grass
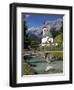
28	70
57	55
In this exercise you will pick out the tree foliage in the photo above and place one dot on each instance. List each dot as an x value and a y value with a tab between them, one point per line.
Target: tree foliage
56	32
58	38
28	42
34	44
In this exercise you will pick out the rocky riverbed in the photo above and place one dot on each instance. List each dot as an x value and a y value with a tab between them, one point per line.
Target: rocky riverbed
40	65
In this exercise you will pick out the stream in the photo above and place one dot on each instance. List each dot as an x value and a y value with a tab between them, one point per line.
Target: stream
40	65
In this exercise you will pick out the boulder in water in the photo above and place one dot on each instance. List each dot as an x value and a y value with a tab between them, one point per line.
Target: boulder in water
48	68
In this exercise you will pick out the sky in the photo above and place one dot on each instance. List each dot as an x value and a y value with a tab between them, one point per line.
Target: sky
36	20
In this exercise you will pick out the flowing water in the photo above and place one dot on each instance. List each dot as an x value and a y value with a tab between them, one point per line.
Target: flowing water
39	64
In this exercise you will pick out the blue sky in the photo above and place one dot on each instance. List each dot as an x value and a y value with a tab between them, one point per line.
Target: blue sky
36	20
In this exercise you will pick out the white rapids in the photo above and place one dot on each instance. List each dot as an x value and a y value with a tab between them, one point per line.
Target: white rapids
48	68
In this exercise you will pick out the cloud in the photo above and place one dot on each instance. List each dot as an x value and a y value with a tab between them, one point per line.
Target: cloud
27	16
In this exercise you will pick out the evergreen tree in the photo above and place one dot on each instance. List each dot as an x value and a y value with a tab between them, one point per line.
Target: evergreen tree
26	38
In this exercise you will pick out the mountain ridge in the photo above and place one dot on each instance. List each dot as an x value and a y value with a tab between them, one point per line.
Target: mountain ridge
36	32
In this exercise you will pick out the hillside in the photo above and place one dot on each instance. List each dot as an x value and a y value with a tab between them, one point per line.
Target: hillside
53	27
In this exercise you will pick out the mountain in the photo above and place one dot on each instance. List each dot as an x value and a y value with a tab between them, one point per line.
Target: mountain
36	32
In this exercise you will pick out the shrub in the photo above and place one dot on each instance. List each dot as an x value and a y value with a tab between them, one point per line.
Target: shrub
27	70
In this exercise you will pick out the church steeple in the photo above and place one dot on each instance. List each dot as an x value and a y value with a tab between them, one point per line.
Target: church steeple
46	37
46	32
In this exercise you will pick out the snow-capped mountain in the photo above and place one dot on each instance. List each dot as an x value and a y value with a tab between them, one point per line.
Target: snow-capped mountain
36	32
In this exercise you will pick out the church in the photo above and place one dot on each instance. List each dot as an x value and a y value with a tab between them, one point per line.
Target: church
47	38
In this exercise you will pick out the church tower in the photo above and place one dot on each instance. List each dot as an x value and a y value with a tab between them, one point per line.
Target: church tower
46	37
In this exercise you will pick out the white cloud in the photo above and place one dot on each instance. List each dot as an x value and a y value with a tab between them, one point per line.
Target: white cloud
27	16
